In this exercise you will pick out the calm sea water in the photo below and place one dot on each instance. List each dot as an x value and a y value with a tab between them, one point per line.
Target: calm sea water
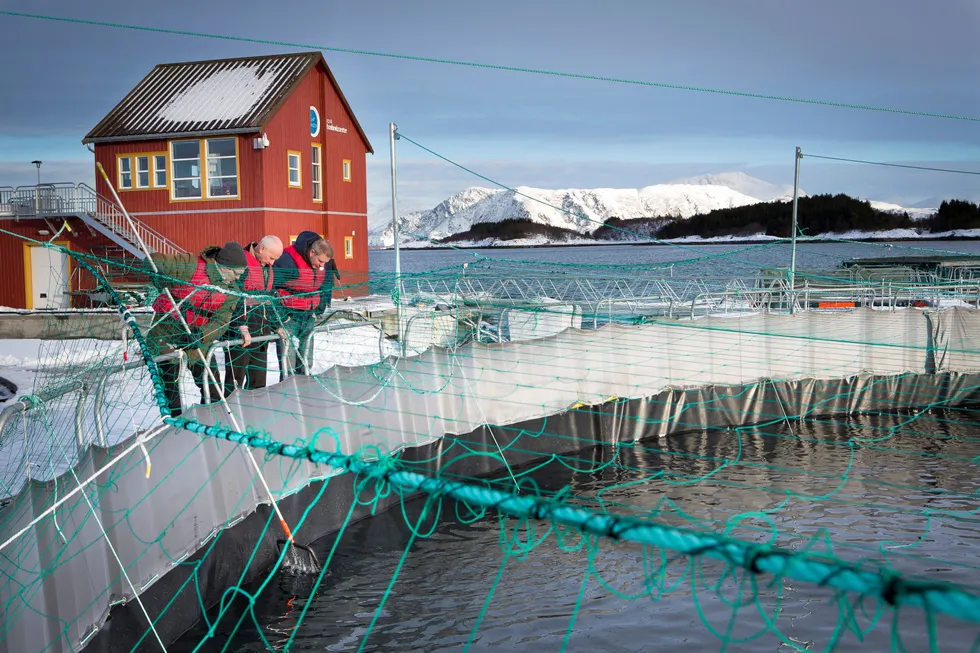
448	577
688	260
873	506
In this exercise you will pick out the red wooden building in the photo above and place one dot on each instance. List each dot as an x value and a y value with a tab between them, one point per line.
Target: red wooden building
201	153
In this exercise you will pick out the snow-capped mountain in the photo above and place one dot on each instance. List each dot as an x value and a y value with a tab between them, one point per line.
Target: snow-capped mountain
745	184
915	214
935	201
585	210
579	210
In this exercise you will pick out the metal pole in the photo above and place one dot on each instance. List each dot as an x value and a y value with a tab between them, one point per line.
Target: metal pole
37	189
392	137
792	261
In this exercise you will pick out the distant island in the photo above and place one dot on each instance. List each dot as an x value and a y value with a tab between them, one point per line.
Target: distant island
711	208
817	215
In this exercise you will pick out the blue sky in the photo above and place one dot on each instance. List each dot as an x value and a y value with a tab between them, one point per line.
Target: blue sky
549	132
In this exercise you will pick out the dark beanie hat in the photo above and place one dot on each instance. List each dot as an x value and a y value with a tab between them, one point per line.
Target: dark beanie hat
231	255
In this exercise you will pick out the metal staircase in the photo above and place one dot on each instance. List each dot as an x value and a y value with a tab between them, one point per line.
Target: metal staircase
66	200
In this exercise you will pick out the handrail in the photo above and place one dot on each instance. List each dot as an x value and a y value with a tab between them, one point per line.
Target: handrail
100	386
22	405
325	326
66	199
112	216
543	309
225	344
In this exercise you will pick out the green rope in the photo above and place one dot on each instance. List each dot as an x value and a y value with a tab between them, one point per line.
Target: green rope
519	69
889	585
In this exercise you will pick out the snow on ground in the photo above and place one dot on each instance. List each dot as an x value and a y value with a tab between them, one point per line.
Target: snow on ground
8	388
534	241
887	234
722	239
32	311
46	442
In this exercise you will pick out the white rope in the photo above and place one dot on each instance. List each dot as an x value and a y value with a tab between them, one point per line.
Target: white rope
115	555
136	443
485	420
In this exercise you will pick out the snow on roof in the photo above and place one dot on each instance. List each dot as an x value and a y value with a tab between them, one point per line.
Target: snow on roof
226	95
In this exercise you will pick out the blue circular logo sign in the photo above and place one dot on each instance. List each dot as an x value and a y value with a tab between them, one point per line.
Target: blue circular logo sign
314	121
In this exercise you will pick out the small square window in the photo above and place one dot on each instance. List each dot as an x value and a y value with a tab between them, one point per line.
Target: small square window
346	169
348	247
142	172
315	179
295	161
159	170
125	173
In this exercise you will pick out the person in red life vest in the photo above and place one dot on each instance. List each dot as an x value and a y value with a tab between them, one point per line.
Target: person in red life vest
245	365
300	288
207	311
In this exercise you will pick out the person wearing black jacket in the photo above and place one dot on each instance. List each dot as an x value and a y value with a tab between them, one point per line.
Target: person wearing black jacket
331	273
300	290
245	364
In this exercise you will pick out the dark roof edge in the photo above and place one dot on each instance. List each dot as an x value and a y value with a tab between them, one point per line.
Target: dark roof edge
118	104
168	135
279	55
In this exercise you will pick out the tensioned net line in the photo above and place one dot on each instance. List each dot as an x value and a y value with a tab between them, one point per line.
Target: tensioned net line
683	451
677	449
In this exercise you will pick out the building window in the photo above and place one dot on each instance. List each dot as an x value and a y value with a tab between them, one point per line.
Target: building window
159	170
222	167
220	177
348	247
185	171
295	181
142	171
315	180
346	169
125	173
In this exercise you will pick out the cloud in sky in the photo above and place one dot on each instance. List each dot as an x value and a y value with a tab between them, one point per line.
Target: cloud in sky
546	131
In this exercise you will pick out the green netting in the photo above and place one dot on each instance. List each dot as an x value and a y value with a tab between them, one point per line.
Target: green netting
682	450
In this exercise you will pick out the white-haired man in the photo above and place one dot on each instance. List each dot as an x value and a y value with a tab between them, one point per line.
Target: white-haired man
246	364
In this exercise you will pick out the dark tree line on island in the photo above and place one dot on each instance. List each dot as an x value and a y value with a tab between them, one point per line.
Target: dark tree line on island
818	214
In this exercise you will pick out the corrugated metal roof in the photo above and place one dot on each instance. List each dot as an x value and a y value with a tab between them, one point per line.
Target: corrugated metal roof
225	96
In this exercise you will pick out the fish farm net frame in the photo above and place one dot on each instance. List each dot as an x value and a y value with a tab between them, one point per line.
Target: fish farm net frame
650	393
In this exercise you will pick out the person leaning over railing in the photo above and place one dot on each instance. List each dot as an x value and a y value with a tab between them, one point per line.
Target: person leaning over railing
255	316
299	288
206	311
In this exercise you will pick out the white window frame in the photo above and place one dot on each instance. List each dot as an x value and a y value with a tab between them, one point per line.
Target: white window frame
217	157
137	171
316	172
203	159
159	169
298	169
129	164
346	171
173	171
348	247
